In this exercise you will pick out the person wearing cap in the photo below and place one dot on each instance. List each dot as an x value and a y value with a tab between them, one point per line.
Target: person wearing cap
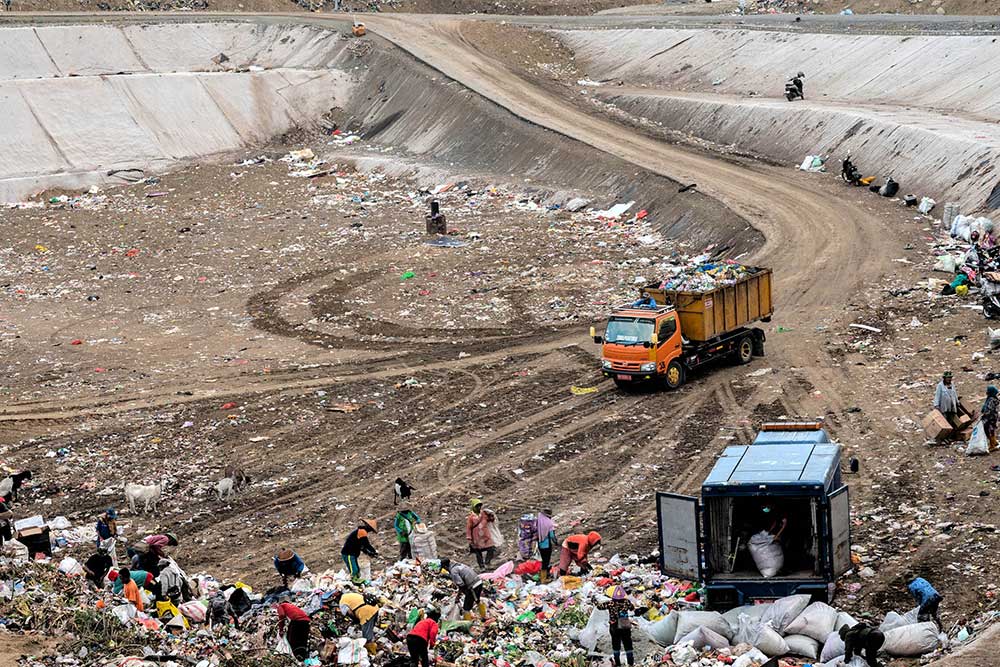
946	399
619	609
477	533
546	530
405	523
357	543
289	565
576	549
422	638
107	532
470	586
141	578
297	633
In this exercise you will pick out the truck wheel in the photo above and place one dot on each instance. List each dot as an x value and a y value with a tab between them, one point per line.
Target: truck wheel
744	350
674	377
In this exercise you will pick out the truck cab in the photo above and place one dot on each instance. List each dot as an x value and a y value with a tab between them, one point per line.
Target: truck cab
790	474
642	344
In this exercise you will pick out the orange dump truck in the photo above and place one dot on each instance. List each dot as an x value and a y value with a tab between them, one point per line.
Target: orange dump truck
685	330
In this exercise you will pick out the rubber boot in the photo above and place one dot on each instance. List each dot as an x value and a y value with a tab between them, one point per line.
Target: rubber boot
371	647
467	616
543	577
482	610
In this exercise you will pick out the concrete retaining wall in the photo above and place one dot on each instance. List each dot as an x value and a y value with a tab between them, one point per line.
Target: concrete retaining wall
921	108
79	101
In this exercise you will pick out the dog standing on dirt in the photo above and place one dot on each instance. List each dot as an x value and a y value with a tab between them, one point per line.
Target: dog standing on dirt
10	486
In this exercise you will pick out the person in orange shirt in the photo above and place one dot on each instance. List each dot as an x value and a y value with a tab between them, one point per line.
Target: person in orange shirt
575	549
130	590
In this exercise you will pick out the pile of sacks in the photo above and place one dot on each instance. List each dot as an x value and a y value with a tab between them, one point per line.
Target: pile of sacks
705	276
789	626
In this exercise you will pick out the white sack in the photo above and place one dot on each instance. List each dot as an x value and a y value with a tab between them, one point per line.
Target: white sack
596	628
691	620
807	647
833	647
767	554
911	640
816	621
784	611
979	444
702	637
662	631
760	635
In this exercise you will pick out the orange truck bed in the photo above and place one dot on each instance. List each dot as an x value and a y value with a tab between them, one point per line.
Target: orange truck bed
707	315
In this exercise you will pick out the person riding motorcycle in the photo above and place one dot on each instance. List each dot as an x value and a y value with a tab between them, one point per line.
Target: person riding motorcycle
849	172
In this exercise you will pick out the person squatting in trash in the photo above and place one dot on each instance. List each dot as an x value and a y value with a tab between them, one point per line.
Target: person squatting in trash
142	579
297	633
422	638
221	611
926	597
988	416
862	638
289	565
404	524
546	530
357	543
97	567
619	609
477	533
130	590
576	549
470	586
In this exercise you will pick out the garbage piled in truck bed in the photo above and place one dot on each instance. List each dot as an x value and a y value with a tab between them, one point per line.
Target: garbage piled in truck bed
703	275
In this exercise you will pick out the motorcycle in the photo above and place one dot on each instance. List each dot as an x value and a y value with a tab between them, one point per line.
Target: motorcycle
793	87
850	173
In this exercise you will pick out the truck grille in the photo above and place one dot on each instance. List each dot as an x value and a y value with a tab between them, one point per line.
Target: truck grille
625	365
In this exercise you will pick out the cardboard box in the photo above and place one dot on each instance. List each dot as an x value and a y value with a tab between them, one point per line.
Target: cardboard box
936	426
964	422
36	539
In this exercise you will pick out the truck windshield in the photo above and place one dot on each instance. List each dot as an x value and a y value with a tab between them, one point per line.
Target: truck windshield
629	330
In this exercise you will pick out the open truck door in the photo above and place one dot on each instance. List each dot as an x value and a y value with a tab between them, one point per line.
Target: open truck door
839	520
680	544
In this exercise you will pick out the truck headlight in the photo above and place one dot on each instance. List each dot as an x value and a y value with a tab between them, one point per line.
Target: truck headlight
605	364
648	368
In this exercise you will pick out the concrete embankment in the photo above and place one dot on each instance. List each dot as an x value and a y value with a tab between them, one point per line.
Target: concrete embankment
921	108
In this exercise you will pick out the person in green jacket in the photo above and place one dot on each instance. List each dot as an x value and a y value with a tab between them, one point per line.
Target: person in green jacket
405	523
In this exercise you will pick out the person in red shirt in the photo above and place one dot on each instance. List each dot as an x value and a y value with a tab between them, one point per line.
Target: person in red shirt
298	628
423	637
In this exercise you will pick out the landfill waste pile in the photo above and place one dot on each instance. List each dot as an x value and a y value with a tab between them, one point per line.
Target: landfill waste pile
702	275
153	5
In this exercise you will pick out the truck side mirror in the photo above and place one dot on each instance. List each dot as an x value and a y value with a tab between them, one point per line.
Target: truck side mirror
655	340
593	334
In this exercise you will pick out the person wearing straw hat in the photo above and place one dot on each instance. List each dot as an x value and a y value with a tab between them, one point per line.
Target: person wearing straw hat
289	565
357	543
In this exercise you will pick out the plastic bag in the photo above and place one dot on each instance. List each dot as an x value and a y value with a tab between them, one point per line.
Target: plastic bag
767	554
597	627
282	647
662	631
784	611
926	205
194	611
452	612
911	640
946	264
751	658
816	621
496	535
692	620
978	442
352	652
702	638
752	610
807	647
760	635
70	567
832	647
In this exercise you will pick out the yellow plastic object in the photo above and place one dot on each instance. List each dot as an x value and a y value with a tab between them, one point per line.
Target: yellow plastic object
962	290
571	583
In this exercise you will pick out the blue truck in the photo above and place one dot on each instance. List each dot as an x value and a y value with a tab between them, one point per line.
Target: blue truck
789	482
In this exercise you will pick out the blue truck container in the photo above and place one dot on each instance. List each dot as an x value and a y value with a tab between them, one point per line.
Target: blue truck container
790	474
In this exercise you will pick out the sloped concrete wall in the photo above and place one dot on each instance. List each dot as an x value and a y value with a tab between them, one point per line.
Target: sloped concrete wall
924	109
79	101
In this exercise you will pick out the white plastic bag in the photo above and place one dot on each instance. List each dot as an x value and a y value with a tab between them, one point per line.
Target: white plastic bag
596	628
833	647
751	658
760	635
946	264
282	647
352	652
70	567
496	535
978	443
767	554
662	631
911	640
784	611
894	620
807	647
692	620
816	621
926	205
702	638
452	612
752	610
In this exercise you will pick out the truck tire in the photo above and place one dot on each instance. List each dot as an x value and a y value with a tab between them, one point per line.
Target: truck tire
744	350
675	375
